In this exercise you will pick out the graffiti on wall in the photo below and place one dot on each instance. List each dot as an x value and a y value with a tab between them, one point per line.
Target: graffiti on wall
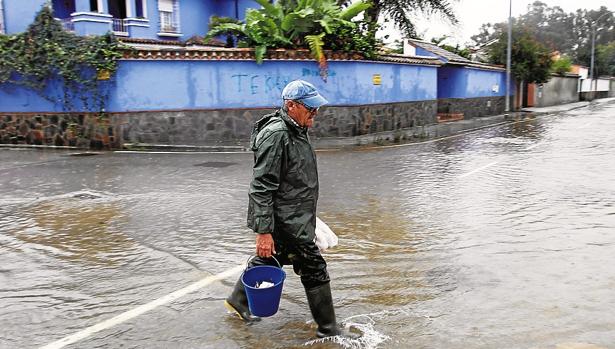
267	84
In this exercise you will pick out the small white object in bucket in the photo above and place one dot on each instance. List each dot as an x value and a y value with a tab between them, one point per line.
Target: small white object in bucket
265	284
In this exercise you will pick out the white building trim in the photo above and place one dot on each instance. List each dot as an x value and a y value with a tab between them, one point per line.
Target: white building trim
144	8
129	10
2	28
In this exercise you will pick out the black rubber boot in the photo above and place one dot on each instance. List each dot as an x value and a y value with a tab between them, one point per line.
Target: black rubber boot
237	303
321	306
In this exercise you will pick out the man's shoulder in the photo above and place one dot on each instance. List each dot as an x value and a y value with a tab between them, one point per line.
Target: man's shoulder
273	128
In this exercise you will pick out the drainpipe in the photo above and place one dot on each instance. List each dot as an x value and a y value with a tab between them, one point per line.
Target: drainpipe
236	9
508	56
2	29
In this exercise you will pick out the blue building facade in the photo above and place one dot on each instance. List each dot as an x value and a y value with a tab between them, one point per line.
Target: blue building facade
466	88
143	19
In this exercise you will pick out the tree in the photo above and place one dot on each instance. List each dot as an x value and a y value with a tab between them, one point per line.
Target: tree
605	59
531	61
463	52
400	12
568	33
561	66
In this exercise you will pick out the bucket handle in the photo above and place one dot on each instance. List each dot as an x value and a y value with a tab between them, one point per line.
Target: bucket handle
251	257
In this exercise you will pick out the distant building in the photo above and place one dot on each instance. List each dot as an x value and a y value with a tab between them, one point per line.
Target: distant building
466	88
140	19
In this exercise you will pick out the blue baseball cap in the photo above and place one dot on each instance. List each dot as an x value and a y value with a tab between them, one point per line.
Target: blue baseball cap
303	92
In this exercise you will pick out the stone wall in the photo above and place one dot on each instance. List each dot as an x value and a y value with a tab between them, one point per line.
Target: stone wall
202	128
228	127
472	107
76	130
361	120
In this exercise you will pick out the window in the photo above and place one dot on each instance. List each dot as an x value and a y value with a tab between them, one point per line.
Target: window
139	12
93	5
169	16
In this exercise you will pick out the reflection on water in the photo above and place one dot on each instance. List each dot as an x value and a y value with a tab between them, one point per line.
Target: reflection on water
76	232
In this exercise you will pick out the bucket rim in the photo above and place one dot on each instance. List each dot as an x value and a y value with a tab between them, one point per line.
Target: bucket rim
261	266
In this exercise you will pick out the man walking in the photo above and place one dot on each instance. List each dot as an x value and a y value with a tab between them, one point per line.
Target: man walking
282	203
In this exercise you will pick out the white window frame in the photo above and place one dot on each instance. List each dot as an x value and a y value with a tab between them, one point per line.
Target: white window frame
174	17
143	8
131	11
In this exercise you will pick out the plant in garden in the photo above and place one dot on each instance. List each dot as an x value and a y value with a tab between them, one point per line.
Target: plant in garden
45	54
291	24
562	66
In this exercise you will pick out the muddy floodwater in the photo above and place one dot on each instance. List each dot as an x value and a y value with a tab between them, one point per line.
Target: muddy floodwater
499	238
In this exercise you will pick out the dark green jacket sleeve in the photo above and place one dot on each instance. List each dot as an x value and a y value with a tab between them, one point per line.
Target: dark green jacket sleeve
268	157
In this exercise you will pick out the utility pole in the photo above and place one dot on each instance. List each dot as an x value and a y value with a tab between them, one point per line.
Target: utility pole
508	56
591	67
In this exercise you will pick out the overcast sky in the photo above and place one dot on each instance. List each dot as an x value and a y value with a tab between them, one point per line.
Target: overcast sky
473	13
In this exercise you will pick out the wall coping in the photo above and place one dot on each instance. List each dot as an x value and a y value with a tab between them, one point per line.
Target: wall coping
159	52
477	65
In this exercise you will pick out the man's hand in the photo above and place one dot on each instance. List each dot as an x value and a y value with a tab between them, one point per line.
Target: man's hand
264	245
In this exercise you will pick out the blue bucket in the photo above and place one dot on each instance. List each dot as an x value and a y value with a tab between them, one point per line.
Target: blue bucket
263	302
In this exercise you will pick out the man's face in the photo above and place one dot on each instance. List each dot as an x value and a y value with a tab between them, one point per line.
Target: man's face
303	115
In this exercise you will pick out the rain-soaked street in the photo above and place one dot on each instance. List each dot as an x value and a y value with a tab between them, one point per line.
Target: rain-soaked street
499	238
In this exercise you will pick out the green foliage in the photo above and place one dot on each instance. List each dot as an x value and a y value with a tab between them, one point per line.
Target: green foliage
359	37
562	66
605	59
230	27
463	52
568	33
313	24
531	61
402	12
45	53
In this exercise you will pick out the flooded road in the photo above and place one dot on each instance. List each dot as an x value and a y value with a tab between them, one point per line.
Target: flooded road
500	238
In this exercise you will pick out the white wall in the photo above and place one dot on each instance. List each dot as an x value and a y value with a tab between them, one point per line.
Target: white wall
596	85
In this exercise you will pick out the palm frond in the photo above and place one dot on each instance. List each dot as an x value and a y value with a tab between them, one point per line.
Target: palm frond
353	10
226	28
259	53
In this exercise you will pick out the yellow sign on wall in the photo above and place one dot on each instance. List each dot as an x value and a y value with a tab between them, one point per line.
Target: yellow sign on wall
376	79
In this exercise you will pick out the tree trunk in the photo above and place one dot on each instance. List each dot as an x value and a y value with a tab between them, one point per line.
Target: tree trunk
371	17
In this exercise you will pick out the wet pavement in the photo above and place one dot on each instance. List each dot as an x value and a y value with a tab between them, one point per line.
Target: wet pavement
500	238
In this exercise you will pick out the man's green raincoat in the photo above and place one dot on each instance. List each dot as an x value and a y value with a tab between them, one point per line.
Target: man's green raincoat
284	188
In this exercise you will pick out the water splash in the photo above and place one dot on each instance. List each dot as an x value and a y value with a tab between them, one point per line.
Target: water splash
364	323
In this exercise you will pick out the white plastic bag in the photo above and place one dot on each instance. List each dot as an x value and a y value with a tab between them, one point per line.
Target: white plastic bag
325	237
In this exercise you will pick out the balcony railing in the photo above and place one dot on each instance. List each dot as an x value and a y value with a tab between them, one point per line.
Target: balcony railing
169	22
119	26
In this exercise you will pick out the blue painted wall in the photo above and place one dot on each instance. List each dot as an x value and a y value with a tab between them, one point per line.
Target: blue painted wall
18	14
194	17
465	82
167	85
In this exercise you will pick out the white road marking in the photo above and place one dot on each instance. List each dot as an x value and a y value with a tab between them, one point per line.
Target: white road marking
123	317
533	146
478	169
177	152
